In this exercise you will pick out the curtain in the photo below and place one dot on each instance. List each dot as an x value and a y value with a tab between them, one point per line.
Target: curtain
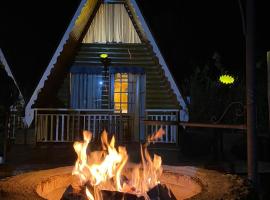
111	91
111	24
86	90
132	87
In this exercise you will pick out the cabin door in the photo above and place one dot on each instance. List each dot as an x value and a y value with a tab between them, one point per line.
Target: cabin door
128	93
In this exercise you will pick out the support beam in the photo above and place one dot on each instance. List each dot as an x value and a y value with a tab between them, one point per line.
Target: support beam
268	87
250	93
198	125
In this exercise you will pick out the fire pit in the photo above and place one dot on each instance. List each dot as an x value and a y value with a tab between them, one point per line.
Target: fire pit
186	182
105	174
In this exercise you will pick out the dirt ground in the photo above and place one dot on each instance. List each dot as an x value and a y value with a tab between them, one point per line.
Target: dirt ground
25	158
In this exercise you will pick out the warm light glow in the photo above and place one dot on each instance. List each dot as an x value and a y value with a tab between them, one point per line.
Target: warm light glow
104	55
88	194
146	175
226	79
101	167
121	92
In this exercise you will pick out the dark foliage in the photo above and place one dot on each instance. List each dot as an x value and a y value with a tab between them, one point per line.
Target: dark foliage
212	101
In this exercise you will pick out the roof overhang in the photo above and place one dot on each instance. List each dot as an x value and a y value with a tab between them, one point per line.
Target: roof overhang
9	73
147	33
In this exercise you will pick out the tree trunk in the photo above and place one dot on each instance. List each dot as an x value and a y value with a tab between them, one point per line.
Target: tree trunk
268	87
250	92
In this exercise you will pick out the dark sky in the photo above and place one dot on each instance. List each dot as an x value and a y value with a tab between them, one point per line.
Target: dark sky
187	31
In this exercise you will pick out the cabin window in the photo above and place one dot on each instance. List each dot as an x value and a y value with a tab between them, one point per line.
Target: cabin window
121	92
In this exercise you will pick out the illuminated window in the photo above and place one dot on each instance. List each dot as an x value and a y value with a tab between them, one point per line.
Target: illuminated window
121	92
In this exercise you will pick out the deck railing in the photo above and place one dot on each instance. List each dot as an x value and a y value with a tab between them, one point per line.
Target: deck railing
15	122
171	135
66	125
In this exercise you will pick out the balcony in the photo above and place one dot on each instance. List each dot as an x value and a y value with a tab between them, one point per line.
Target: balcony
66	125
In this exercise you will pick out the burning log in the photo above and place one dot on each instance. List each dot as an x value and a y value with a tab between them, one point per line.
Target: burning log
71	194
159	192
84	193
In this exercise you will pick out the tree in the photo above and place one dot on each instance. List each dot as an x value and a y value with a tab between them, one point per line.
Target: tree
9	95
212	101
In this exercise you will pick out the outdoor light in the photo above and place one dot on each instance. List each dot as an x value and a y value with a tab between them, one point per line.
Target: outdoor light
100	82
103	56
226	79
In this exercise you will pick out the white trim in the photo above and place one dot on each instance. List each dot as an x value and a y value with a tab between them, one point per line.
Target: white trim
7	68
29	112
162	110
158	53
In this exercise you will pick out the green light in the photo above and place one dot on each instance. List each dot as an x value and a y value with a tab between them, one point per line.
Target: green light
104	55
226	79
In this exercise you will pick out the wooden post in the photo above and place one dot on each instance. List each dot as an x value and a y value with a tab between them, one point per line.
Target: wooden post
250	92
268	86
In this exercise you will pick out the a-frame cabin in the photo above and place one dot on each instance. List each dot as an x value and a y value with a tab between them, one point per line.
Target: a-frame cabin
107	72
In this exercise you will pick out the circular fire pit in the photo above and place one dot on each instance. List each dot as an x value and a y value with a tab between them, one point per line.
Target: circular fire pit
185	183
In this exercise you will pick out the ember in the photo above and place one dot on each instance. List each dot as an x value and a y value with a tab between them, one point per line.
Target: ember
100	173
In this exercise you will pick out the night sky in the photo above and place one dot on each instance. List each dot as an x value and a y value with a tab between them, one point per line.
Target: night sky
188	33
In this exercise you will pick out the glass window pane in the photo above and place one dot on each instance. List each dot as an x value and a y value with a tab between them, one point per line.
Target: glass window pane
117	106
124	75
117	87
125	78
124	107
117	76
124	87
117	97
124	97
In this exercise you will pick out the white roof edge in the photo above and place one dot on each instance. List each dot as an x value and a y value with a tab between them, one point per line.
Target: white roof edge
8	70
159	55
29	112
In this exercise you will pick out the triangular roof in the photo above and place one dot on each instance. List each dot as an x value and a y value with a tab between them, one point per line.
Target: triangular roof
73	36
7	68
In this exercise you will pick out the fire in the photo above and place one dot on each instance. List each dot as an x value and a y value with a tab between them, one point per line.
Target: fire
99	167
88	194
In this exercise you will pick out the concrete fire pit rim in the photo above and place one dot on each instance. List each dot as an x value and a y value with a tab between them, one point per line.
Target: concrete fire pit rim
203	177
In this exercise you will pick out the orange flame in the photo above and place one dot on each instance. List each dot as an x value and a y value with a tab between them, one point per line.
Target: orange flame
103	166
156	135
147	175
88	194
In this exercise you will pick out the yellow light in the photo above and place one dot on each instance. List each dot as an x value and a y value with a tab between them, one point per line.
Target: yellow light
120	93
104	55
226	79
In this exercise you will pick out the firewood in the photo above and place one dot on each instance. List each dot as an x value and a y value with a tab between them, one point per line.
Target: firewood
71	194
115	195
161	192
